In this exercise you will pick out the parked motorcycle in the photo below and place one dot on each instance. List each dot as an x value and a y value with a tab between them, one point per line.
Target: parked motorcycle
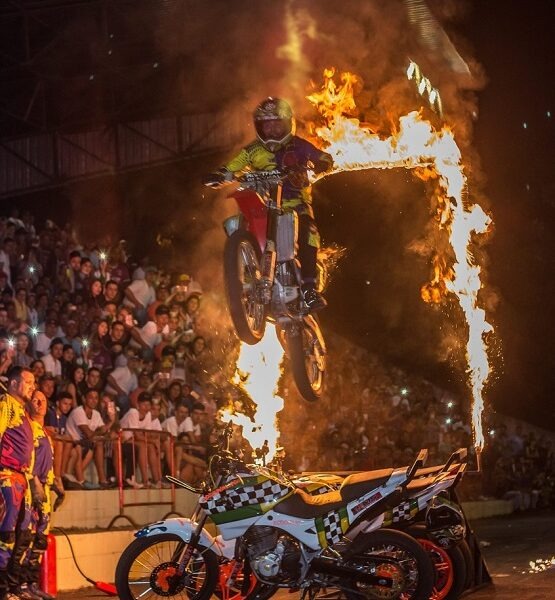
263	277
285	537
429	514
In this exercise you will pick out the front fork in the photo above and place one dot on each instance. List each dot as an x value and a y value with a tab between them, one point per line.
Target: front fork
187	552
269	257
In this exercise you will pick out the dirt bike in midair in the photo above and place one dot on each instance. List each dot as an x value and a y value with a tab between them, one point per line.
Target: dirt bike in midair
263	278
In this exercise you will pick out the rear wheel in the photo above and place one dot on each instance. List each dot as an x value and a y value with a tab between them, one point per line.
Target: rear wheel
148	569
308	358
396	556
449	568
242	277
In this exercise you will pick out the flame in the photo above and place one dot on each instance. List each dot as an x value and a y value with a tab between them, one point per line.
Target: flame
258	371
432	154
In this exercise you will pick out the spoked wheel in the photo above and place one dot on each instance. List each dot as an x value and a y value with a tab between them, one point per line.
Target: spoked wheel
148	569
398	558
307	353
242	279
449	566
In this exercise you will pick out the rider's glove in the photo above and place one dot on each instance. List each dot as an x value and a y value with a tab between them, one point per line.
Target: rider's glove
218	179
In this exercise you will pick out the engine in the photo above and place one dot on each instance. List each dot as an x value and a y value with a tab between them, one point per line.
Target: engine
273	556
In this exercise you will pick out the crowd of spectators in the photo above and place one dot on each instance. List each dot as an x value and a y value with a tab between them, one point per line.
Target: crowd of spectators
136	361
114	346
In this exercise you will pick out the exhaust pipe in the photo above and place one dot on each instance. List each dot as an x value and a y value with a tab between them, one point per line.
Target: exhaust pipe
330	567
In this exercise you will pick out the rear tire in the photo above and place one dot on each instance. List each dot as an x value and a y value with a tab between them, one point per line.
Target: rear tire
448	585
147	564
308	360
242	275
404	560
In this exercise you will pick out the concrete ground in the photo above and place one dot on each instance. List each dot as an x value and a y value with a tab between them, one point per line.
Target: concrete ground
509	545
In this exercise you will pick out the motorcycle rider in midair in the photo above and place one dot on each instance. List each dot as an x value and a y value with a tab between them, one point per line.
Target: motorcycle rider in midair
277	147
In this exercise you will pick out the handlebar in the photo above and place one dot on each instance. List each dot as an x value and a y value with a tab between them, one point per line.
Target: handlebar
257	180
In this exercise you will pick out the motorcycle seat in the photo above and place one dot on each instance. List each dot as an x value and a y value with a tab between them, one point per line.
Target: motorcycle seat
358	484
303	505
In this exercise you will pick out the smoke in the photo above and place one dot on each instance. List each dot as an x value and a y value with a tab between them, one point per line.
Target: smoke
237	53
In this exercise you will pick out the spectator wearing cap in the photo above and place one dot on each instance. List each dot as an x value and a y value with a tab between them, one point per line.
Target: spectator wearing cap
123	379
135	443
153	332
52	360
44	338
140	293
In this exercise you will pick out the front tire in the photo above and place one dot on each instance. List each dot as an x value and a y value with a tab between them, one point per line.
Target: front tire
398	556
242	276
147	569
308	359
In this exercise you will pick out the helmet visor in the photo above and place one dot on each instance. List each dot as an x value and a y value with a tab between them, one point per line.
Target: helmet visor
273	130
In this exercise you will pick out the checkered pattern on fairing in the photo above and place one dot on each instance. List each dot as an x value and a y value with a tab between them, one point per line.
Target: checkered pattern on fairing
402	512
332	527
259	493
242	496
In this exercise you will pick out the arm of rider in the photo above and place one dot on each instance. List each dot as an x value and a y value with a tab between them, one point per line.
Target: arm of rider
218	179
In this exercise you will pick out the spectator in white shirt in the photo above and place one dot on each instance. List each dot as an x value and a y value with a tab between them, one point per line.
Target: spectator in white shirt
193	463
175	426
123	379
134	447
85	425
51	361
153	332
155	445
140	293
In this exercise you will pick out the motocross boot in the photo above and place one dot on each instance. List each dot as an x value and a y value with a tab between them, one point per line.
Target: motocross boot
313	299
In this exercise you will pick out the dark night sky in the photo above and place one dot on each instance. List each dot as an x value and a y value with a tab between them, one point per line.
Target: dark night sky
515	138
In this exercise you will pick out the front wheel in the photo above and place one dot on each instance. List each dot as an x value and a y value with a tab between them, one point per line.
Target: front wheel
396	556
148	569
242	283
307	354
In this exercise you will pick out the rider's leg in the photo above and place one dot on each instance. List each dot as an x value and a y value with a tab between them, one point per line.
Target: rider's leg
309	242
